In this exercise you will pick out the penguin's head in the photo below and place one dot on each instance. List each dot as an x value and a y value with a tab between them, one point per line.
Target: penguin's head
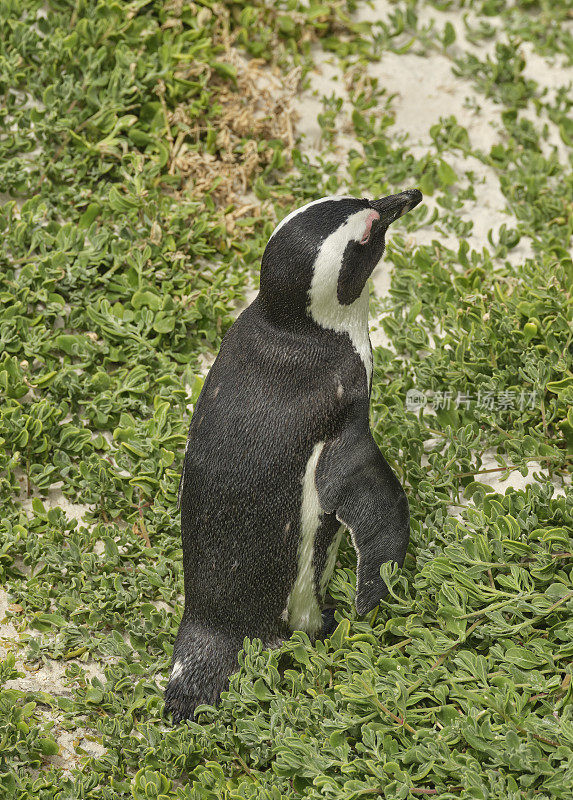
319	258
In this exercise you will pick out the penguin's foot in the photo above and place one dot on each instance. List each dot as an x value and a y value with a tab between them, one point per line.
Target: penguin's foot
203	661
178	704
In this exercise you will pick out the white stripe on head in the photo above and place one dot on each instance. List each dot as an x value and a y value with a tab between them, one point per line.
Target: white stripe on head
324	307
298	211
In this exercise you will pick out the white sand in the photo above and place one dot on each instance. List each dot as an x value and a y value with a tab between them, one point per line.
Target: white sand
55	499
48	678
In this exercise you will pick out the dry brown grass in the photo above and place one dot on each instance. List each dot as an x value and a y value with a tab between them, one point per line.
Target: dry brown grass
258	108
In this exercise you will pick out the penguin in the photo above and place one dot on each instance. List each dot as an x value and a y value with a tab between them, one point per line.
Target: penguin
280	458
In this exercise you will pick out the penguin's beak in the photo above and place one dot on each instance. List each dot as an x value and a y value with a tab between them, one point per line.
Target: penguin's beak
396	205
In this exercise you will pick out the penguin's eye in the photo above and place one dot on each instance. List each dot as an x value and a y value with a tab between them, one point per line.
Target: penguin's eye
370	219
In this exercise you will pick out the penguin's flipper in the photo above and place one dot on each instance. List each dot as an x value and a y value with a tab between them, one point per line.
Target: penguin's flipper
355	482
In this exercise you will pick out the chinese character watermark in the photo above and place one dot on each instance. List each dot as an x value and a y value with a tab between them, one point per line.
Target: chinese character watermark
444	400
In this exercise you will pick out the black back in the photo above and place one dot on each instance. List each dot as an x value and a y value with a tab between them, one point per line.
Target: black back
269	398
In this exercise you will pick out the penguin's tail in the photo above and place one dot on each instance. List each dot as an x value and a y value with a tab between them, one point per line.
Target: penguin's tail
203	660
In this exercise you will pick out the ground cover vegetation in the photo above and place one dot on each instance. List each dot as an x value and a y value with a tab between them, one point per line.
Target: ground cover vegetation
139	185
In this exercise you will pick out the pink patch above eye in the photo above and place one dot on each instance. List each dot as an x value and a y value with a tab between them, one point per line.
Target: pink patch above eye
373	215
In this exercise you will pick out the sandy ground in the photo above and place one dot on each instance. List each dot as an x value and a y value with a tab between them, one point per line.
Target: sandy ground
417	106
